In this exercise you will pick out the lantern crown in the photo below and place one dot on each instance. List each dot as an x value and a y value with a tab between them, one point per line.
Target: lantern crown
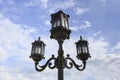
82	42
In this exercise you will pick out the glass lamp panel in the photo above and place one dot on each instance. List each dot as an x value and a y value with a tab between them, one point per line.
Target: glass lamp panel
79	49
84	48
32	50
87	50
62	20
58	23
54	24
66	23
38	50
43	48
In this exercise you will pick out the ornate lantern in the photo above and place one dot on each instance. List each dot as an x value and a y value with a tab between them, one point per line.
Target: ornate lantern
38	48
60	26
82	49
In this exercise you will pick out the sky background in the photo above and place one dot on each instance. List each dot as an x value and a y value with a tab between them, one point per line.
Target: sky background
23	21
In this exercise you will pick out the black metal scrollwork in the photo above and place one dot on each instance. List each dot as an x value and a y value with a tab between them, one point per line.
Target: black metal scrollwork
48	63
72	63
69	64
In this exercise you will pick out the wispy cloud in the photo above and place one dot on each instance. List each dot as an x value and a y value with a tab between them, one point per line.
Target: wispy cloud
44	3
61	5
74	28
39	3
97	33
116	48
12	74
47	22
101	58
85	24
16	38
98	45
81	11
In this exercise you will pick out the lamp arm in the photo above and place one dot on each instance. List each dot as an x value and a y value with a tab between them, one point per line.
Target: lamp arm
72	63
48	63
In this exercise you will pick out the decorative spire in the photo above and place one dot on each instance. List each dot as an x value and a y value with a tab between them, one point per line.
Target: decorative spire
39	38
80	37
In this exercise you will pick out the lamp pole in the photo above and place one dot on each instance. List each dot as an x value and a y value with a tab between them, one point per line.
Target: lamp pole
60	31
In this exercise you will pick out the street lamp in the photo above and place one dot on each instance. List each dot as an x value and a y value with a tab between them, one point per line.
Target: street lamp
60	31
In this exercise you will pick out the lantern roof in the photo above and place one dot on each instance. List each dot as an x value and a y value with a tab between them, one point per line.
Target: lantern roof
38	42
82	42
58	13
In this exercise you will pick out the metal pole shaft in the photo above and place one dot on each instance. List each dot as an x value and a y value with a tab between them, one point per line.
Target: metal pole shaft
60	74
60	62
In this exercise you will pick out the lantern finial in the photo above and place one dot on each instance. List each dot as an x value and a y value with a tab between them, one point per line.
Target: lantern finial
39	38
80	37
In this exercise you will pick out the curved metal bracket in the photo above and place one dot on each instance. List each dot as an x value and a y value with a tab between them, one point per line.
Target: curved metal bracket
48	63
72	63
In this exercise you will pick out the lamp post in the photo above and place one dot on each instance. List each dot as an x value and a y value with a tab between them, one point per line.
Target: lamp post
60	31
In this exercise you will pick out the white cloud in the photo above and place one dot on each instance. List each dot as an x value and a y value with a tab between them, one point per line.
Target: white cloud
80	11
97	33
98	45
85	24
14	38
105	66
1	16
44	3
102	65
8	73
61	5
12	73
116	48
74	28
39	3
30	4
47	22
3	53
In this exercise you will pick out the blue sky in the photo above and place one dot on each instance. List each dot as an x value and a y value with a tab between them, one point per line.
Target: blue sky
22	21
